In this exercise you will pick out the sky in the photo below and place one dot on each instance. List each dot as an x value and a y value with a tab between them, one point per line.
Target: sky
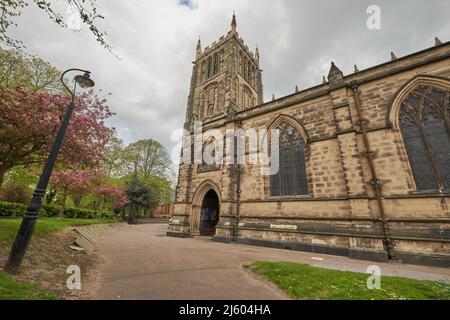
156	40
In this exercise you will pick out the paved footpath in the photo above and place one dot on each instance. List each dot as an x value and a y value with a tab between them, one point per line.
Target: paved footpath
142	263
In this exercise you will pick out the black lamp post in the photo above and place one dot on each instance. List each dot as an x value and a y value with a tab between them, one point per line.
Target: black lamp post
29	220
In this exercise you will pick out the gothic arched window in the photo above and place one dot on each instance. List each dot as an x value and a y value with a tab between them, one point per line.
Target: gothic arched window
210	109
210	67
291	178
209	156
203	76
425	126
253	76
245	69
216	64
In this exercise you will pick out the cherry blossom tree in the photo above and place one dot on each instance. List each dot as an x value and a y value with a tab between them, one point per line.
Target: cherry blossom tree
29	123
114	195
75	183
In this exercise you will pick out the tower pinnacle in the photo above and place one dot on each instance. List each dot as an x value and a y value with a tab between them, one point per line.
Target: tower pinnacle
233	23
199	48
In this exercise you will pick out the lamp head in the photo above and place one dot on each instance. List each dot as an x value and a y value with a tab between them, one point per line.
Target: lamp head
85	80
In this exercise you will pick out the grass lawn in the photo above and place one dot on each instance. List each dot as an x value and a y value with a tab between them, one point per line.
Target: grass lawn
13	290
312	283
44	226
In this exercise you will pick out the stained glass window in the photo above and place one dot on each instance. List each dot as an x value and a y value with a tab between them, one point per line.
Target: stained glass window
425	123
291	178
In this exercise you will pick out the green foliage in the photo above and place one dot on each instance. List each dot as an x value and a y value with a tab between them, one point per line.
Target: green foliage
312	283
48	210
32	74
26	177
13	290
112	156
146	158
8	209
44	226
139	195
85	213
161	189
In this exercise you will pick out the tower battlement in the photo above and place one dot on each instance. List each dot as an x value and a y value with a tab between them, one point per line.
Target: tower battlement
225	78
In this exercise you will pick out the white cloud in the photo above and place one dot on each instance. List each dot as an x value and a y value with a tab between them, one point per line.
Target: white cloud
156	41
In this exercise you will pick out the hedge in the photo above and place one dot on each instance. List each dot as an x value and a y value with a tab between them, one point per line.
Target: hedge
86	213
8	209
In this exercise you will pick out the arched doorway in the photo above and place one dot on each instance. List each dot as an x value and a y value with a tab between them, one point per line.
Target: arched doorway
209	214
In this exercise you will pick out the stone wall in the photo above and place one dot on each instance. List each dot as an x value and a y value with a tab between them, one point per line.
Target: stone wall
343	214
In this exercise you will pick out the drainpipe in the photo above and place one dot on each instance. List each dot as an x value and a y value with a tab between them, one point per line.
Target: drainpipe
376	183
238	204
186	200
238	198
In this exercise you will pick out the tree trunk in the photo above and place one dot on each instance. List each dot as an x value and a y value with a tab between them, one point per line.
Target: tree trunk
95	205
122	213
50	196
77	201
61	212
103	203
2	175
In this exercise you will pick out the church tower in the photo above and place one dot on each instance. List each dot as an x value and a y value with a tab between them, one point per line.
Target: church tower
225	78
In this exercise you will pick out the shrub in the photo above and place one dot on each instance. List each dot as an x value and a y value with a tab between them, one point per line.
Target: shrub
85	213
49	211
8	209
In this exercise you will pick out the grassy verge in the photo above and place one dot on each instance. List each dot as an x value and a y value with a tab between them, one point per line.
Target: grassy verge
46	260
44	226
312	283
13	290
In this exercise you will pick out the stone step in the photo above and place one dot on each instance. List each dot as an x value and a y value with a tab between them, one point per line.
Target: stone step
87	235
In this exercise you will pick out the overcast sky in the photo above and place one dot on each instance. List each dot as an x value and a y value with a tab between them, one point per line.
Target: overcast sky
156	42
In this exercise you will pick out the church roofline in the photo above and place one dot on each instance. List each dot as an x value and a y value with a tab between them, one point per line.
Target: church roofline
397	61
349	80
358	78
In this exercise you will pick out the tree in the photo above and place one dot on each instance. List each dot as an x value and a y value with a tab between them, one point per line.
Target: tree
139	197
87	9
146	158
29	123
161	189
116	196
32	74
73	182
112	156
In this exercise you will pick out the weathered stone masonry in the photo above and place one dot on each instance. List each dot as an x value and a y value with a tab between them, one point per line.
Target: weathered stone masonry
363	199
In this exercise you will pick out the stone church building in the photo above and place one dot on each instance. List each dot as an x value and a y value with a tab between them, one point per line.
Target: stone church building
364	158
